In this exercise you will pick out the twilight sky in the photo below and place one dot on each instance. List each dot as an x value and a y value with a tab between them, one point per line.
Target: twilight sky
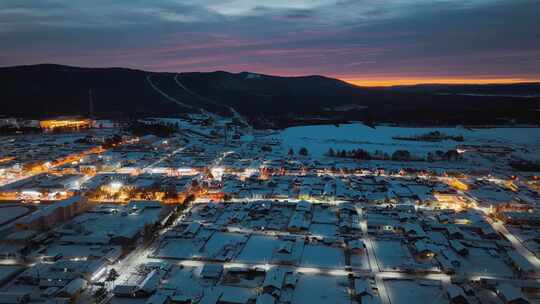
363	41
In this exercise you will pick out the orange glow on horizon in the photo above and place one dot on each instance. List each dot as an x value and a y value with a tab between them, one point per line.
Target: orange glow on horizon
386	82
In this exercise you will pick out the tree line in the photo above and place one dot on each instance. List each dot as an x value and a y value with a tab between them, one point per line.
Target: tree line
160	129
398	155
302	151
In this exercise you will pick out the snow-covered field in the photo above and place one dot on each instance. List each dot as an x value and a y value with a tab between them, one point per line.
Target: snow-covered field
391	254
223	245
408	291
480	262
258	249
318	139
321	289
325	230
322	256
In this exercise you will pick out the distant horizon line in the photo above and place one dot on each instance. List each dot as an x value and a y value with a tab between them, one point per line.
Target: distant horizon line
378	81
392	82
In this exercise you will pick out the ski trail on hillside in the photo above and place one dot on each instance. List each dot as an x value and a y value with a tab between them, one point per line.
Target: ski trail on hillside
231	109
168	97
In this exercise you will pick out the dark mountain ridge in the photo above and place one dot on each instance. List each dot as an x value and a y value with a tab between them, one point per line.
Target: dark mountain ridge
48	90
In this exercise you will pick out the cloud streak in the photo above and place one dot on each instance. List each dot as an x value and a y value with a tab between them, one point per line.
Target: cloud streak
353	39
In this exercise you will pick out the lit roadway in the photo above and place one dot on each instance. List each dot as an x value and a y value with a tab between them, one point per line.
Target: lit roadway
28	175
162	159
499	227
16	179
24	176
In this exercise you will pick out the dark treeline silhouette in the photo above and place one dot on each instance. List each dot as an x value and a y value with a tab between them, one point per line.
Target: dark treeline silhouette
10	130
434	136
525	165
161	129
398	155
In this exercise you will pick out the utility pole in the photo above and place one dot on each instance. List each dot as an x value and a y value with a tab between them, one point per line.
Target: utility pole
225	133
90	105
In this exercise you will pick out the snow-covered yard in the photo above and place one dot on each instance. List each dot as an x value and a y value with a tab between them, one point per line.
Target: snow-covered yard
258	250
391	254
321	289
409	291
323	256
480	262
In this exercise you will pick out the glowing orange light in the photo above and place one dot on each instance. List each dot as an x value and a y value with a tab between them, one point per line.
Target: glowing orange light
64	123
392	81
6	159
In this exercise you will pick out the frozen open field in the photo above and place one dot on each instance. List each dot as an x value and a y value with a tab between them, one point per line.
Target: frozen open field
318	139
